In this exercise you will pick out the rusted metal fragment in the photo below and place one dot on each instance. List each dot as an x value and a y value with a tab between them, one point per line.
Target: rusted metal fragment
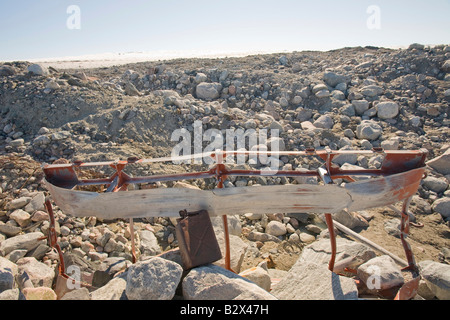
384	191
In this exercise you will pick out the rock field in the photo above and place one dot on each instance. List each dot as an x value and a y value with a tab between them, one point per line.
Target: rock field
347	99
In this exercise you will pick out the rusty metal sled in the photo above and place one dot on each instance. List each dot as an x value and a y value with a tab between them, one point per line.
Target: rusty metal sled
396	180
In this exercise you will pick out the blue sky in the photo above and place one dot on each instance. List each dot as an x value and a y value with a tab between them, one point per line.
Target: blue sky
32	29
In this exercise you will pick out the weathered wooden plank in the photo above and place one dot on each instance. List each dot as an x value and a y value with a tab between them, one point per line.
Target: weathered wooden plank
167	202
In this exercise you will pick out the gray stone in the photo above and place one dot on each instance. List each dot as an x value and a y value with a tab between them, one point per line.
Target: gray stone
349	220
259	276
348	110
310	281
36	203
131	90
369	130
18	203
437	278
446	66
380	273
322	93
276	228
442	206
78	294
38	69
113	290
149	243
261	236
372	91
11	295
39	273
153	279
392	227
391	144
212	282
27	241
319	252
304	114
435	184
442	163
7	71
333	79
387	109
8	272
324	122
9	229
361	106
22	217
208	91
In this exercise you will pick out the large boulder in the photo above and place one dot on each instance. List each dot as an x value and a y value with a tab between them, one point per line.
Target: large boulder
208	91
212	282
153	279
437	278
369	130
387	109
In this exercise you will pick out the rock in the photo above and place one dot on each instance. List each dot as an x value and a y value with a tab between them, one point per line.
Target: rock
200	77
9	229
39	293
131	90
113	290
420	206
36	203
22	218
392	227
369	130
442	206
446	66
8	272
153	279
259	276
333	79
212	282
371	91
348	110
324	122
52	85
7	71
350	158
322	93
387	109
437	278
17	143
12	294
208	91
238	249
391	144
416	46
349	220
27	241
39	273
380	273
306	237
78	294
261	236
18	203
319	252
149	243
442	163
435	184
276	228
310	281
38	69
304	114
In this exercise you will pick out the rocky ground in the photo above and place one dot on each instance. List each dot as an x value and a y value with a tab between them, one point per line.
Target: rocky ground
352	98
